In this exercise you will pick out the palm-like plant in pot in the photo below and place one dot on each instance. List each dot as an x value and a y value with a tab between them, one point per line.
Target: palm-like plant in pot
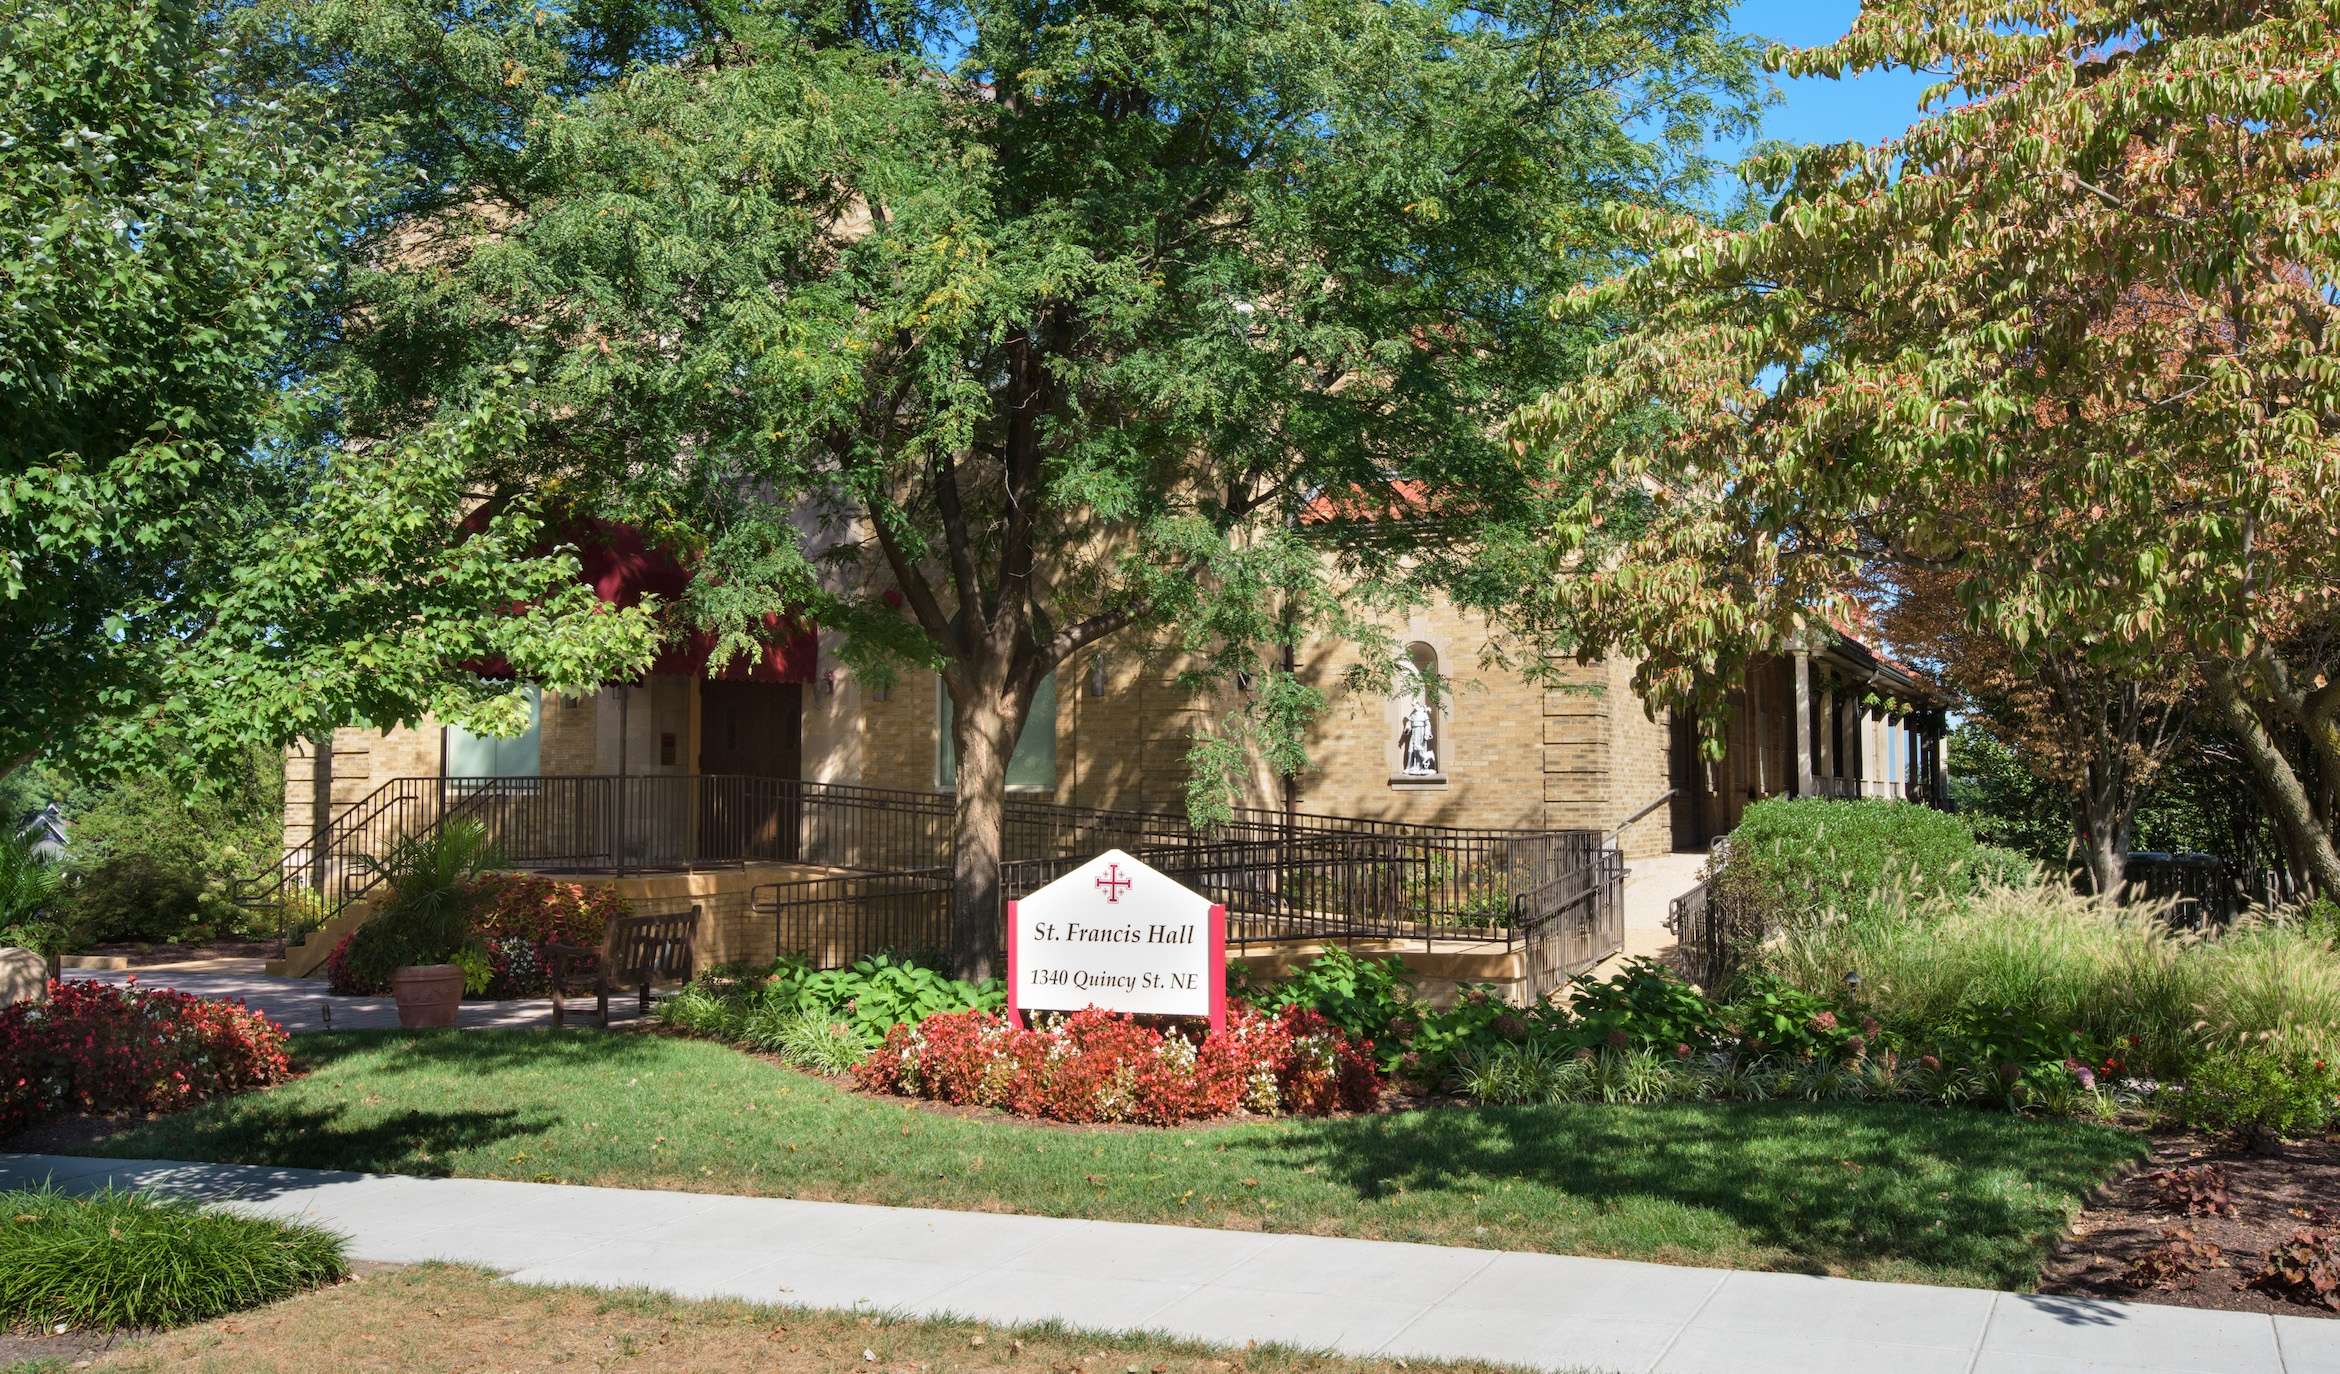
422	934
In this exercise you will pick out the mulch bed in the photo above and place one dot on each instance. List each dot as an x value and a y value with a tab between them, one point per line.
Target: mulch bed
2273	1194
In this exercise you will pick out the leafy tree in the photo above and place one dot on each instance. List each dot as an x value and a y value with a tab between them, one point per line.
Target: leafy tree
2064	343
175	579
150	859
1996	792
987	334
2101	736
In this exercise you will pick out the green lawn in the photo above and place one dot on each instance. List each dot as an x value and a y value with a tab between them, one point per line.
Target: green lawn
1892	1192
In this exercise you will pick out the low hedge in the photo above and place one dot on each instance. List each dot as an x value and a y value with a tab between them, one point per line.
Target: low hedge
1793	861
117	1261
1808	857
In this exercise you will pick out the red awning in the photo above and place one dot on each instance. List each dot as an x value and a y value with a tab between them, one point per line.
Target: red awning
622	567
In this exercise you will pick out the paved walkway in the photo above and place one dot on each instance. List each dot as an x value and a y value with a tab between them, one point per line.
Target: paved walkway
303	1004
1231	1287
1651	885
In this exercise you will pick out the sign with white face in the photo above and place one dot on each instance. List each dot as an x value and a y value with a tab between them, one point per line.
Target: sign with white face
1119	935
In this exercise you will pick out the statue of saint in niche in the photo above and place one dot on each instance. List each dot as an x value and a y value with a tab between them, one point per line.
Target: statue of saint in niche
1418	743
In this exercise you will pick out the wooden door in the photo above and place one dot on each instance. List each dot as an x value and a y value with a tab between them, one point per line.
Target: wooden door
751	751
1687	774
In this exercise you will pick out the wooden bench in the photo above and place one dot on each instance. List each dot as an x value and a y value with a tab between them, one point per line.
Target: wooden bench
640	950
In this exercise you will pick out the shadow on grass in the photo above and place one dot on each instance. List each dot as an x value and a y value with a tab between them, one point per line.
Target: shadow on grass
392	1052
371	1105
1838	1187
412	1141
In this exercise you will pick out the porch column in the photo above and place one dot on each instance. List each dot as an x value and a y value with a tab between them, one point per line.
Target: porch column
1802	767
320	845
1825	748
1848	736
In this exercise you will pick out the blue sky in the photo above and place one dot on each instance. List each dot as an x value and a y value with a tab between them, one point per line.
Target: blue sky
1817	110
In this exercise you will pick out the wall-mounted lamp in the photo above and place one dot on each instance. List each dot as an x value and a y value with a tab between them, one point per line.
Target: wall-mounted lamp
828	683
1094	684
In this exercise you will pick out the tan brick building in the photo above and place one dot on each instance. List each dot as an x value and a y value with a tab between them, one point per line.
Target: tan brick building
1582	752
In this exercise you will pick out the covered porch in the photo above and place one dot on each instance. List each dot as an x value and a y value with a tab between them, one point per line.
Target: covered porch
1834	720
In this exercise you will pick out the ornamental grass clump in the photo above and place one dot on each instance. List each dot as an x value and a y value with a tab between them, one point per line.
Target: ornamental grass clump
103	1049
1097	1066
2117	988
118	1261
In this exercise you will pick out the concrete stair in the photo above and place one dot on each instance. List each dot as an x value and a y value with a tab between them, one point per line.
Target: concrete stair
304	957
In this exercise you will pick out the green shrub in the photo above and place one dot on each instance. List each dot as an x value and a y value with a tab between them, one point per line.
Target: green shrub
1422	1045
151	860
876	994
1642	1007
118	1261
2259	1091
2318	917
1544	1073
32	890
761	1007
1364	997
1531	1073
805	1038
431	892
1769	1016
1997	866
706	1009
1796	861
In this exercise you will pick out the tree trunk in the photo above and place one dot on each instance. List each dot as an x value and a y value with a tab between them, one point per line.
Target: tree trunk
2105	807
983	736
2286	798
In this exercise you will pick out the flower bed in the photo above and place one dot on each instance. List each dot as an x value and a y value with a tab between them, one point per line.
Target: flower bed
511	917
520	913
105	1049
1100	1066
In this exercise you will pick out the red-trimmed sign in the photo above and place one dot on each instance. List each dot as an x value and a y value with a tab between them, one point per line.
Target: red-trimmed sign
1116	934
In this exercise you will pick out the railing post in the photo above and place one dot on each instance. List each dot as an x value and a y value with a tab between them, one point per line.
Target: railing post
624	837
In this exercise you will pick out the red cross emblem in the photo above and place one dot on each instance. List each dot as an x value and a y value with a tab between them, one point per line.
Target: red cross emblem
1111	883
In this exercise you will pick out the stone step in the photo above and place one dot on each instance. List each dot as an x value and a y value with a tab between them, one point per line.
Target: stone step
304	957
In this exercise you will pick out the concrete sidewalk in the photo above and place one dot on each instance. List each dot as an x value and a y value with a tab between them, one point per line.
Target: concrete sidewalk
1348	1296
304	1004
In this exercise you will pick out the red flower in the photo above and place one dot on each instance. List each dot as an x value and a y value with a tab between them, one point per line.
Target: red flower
1101	1066
127	1048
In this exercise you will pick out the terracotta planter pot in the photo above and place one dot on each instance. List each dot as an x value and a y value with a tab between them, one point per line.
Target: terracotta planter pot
427	995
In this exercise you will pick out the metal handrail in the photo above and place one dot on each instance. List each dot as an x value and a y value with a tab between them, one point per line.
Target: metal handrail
623	822
1617	834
